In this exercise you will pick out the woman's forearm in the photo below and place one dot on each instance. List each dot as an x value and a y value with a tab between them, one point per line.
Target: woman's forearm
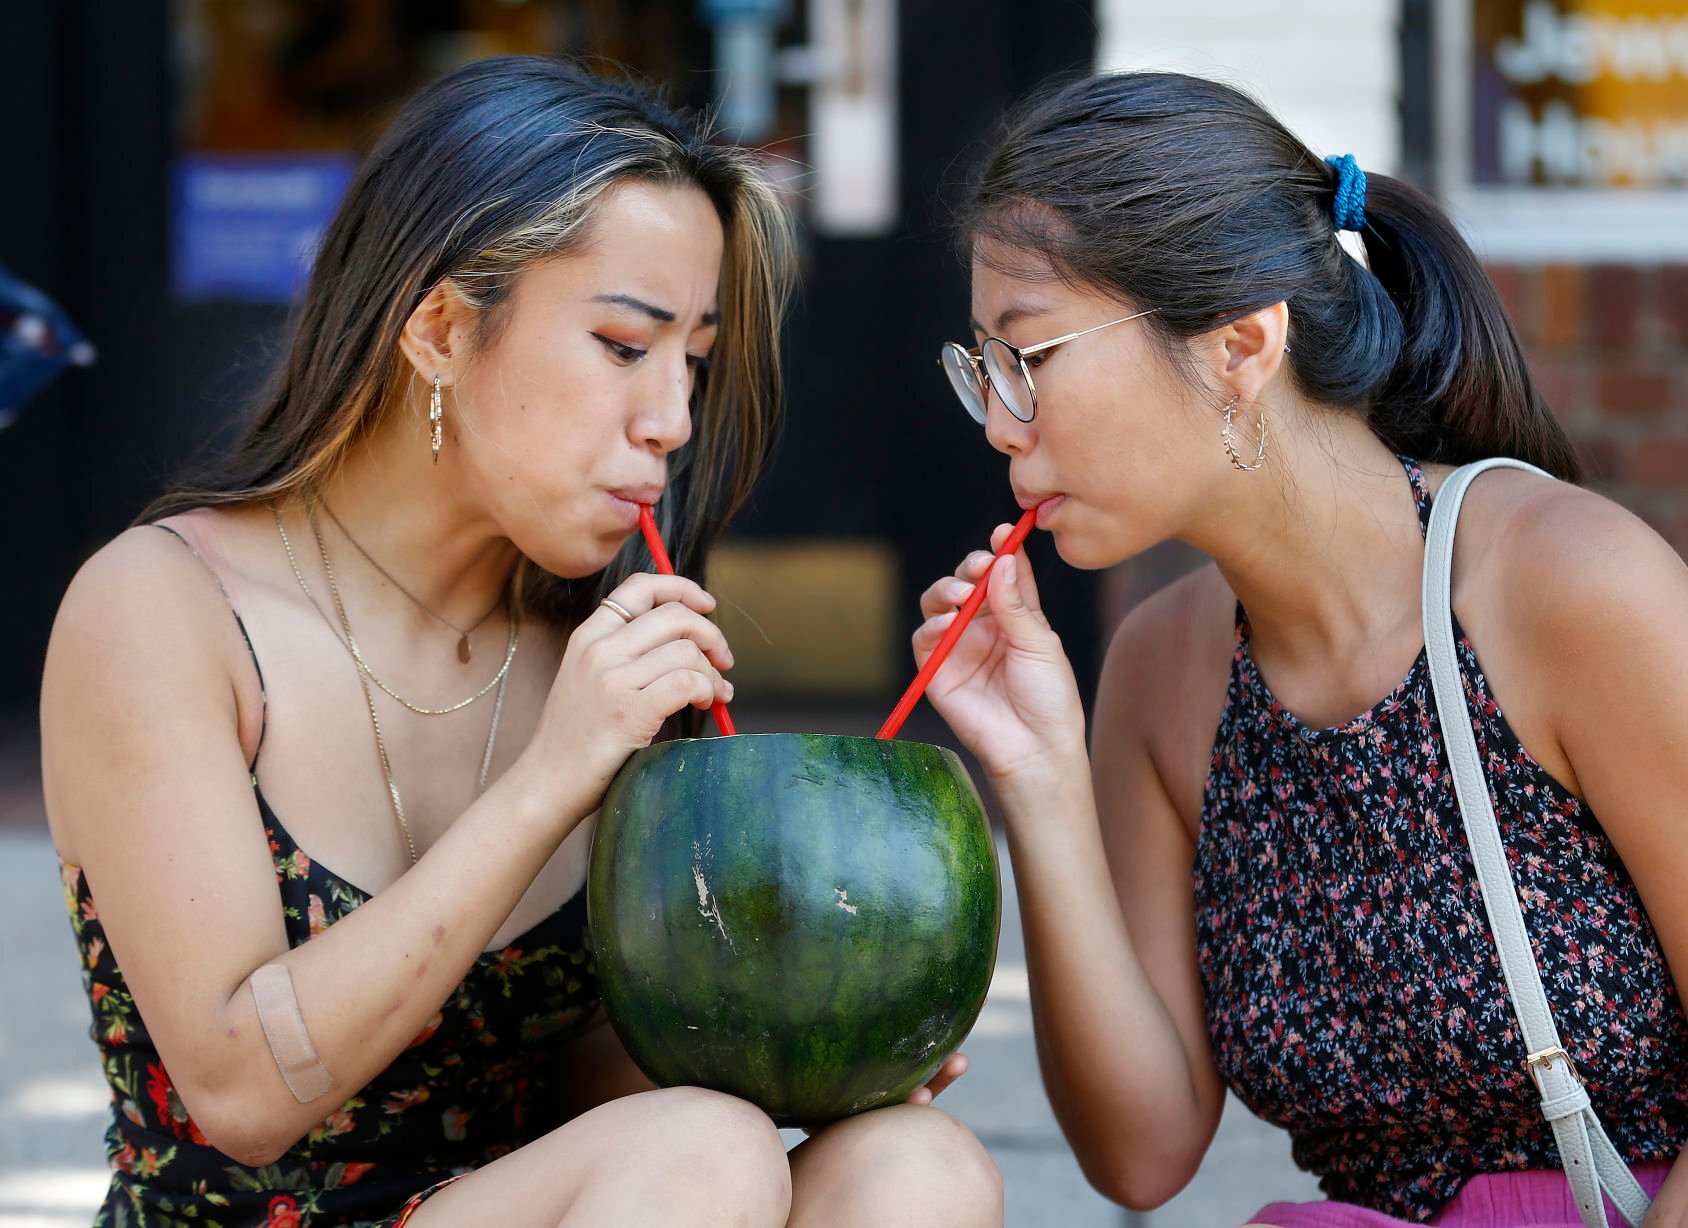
1116	1070
368	985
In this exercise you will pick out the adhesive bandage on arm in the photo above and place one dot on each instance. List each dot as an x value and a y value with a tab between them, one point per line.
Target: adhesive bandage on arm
284	1027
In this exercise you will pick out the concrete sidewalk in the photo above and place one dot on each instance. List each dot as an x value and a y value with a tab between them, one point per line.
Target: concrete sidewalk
53	1101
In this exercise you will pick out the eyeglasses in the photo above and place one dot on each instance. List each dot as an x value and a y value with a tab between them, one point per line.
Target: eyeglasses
1001	367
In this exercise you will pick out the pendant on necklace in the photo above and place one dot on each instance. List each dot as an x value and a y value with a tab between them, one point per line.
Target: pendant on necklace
463	653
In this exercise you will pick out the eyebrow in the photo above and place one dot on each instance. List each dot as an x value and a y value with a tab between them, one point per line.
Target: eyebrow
651	309
1010	315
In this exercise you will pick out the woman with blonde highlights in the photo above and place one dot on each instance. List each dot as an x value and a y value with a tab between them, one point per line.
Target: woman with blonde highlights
331	911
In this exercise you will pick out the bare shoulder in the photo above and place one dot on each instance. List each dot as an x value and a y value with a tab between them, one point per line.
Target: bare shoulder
140	558
1163	683
1568	561
1576	608
141	594
141	628
142	588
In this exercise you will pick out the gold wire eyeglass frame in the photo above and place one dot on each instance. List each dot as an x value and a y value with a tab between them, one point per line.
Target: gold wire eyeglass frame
960	363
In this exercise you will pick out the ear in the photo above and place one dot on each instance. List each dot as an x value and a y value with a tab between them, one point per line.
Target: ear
1248	352
437	333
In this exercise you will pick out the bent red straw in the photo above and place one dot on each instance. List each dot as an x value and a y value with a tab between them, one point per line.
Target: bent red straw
970	607
653	539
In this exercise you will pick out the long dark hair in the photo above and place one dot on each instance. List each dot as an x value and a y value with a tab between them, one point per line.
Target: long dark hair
1187	196
487	171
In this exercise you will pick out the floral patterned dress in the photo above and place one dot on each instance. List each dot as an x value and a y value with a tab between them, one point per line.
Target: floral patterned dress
478	1082
1354	995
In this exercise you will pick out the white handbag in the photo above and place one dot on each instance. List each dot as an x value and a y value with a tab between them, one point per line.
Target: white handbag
1591	1161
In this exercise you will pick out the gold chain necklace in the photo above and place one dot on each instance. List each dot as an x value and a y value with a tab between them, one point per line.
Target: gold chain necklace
464	649
369	696
351	644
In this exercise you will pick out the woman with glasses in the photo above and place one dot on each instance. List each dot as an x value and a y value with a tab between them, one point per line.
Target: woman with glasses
1188	326
331	909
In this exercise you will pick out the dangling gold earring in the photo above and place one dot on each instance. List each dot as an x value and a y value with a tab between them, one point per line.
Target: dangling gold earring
436	415
1231	407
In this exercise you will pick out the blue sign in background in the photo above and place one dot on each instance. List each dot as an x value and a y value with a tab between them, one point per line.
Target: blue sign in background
246	226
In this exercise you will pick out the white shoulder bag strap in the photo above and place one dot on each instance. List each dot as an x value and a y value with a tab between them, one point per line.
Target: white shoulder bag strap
1589	1158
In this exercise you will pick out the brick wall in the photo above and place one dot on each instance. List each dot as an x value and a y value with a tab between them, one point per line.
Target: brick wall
1609	348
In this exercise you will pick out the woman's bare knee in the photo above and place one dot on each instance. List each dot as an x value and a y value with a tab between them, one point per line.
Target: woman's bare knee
893	1159
724	1152
683	1156
947	1159
717	1120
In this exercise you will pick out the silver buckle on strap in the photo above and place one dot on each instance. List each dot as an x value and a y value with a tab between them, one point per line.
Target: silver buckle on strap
1546	1057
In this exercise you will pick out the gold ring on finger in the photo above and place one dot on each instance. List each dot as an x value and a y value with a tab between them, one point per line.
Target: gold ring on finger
613	604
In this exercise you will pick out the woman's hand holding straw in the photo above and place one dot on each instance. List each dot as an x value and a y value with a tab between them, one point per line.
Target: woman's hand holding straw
970	607
653	540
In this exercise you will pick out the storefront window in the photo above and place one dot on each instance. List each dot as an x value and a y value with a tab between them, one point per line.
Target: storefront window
277	100
1565	125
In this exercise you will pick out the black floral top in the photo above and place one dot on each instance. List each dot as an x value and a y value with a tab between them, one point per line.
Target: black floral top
477	1083
1354	995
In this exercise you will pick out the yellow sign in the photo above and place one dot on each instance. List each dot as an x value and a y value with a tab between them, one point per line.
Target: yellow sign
1579	93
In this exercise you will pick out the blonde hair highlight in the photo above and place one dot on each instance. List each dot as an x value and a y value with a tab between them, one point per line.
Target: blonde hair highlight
344	362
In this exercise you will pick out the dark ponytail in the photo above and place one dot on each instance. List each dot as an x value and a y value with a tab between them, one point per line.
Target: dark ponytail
1185	195
1460	358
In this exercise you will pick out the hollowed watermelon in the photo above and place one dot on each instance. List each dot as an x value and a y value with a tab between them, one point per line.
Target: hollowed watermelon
805	921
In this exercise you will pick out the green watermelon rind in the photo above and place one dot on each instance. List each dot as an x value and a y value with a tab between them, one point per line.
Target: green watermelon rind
883	859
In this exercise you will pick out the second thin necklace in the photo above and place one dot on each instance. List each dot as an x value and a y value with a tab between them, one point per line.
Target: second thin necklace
349	642
365	675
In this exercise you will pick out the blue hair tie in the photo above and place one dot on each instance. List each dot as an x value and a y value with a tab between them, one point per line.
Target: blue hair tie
1348	208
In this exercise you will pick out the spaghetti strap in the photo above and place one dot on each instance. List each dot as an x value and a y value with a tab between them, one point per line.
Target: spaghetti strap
263	694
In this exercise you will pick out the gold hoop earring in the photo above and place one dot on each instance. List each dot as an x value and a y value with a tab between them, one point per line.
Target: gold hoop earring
436	416
1225	434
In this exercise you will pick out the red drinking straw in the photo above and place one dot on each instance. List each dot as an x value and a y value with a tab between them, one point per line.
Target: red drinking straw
970	607
653	539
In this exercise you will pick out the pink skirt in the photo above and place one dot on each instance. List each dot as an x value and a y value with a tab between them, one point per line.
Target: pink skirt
1538	1197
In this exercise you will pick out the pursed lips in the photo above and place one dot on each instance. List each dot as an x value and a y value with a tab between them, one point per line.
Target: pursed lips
647	494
